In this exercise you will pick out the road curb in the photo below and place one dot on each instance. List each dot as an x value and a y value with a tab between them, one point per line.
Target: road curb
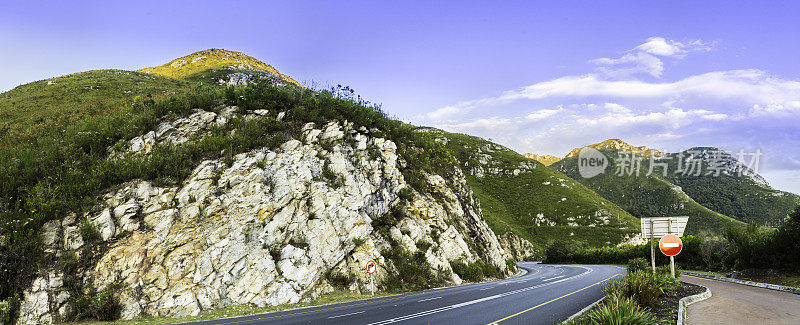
747	283
580	312
686	301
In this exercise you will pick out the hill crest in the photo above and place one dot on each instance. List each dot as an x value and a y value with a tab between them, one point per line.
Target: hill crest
213	59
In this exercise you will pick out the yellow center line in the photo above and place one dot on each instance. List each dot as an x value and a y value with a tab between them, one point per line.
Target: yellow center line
351	305
549	301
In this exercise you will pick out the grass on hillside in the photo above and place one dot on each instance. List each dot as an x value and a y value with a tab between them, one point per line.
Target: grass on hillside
648	195
42	110
512	203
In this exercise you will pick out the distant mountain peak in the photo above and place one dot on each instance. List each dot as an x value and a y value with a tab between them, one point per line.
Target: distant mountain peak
547	160
618	144
213	59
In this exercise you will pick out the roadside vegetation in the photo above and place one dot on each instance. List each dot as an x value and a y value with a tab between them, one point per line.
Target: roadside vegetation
631	300
758	253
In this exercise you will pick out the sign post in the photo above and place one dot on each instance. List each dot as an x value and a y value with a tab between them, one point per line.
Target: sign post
371	268
662	226
671	245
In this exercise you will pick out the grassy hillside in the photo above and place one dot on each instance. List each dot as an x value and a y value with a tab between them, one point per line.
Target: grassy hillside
538	203
40	110
645	195
70	124
735	191
214	61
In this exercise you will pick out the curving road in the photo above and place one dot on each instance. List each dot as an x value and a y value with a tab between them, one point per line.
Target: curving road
545	294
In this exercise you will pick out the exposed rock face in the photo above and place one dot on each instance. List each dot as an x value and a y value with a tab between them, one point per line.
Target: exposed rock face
263	230
519	248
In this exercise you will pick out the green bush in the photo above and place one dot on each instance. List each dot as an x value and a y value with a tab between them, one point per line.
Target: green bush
101	306
616	310
338	280
5	312
638	264
412	271
643	286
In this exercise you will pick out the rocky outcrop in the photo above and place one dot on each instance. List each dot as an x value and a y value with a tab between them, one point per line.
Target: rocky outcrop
520	249
263	229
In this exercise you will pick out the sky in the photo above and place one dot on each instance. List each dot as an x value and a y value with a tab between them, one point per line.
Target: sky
542	77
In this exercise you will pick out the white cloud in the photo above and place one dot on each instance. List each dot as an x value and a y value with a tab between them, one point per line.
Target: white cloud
754	86
543	114
644	58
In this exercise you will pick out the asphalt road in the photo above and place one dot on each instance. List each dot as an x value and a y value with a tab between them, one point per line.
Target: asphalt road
546	294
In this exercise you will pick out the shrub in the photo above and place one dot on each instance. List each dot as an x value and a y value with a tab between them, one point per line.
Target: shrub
413	272
102	306
5	312
511	265
642	286
617	310
338	280
423	245
638	264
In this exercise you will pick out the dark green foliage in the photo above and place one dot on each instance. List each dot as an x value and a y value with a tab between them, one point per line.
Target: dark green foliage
338	280
476	271
413	272
423	245
101	306
511	265
638	264
616	309
648	195
643	286
333	179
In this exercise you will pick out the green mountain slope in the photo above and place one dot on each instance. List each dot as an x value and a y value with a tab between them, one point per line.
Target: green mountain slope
735	191
644	195
538	203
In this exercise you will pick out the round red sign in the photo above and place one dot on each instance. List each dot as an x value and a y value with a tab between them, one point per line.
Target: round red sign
371	267
670	245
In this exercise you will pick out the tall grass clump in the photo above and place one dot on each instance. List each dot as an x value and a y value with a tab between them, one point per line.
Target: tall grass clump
616	309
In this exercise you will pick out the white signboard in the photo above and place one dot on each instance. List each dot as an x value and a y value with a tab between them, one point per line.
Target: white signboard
661	226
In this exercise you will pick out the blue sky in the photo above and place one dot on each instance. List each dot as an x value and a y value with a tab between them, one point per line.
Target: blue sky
541	77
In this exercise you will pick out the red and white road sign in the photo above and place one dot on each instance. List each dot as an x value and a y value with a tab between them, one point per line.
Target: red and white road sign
372	267
670	245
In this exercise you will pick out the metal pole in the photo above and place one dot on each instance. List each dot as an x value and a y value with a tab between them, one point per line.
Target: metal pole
652	249
671	258
372	284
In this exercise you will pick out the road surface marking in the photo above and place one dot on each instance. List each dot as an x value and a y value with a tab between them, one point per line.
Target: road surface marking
472	302
358	312
429	299
553	278
344	306
549	301
486	288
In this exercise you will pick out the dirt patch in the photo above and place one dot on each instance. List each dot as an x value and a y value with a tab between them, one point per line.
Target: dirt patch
666	310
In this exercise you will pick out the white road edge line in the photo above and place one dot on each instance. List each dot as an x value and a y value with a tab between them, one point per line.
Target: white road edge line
472	302
429	299
358	312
